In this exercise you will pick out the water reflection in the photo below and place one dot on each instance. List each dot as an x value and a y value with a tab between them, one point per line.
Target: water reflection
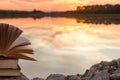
99	20
80	18
63	46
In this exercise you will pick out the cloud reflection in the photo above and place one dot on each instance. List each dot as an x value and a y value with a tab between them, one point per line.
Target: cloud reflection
63	46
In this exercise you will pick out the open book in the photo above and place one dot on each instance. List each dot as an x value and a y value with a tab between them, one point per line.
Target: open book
13	46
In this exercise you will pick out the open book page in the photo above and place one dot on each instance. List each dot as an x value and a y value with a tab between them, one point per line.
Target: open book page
18	41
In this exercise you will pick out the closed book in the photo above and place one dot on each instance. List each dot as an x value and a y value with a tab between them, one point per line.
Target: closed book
9	72
8	63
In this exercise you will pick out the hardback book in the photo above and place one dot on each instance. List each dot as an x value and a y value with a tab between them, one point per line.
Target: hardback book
8	63
12	45
10	72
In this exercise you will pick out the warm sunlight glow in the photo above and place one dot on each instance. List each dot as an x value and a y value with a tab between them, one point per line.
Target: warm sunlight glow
81	8
81	21
50	5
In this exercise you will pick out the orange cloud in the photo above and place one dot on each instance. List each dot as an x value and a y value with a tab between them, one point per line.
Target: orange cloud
49	5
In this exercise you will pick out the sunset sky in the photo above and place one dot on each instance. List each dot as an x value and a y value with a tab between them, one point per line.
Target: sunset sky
50	5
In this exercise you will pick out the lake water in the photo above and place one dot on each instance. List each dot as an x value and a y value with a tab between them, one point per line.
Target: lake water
61	45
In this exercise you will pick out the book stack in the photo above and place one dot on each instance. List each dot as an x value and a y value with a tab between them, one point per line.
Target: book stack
9	67
12	47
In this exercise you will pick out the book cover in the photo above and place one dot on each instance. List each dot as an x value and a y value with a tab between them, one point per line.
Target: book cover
8	63
10	71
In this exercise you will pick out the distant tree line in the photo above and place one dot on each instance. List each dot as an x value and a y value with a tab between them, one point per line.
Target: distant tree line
19	12
98	9
80	10
15	13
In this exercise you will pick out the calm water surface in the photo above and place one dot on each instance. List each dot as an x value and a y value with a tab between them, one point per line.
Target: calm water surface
62	45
